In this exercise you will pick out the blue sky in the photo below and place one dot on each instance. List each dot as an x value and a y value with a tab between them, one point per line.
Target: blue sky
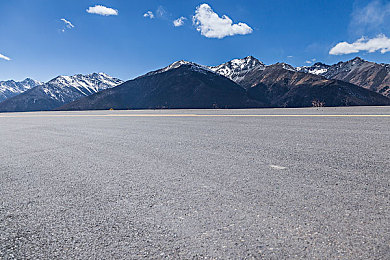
127	43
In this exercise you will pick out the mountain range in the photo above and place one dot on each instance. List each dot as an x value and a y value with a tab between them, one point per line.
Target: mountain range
370	75
59	91
180	85
240	83
279	86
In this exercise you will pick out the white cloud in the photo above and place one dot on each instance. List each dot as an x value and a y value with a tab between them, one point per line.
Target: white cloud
4	57
380	43
149	14
102	10
179	21
210	25
68	24
290	56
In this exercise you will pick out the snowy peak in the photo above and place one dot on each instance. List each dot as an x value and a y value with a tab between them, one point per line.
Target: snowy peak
237	69
247	63
177	64
12	88
31	82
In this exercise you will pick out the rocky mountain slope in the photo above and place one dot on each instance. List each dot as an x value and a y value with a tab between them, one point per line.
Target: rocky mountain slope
11	88
369	75
281	87
59	91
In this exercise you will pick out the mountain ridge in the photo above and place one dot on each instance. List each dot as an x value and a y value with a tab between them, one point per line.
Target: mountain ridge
185	85
59	91
11	88
366	74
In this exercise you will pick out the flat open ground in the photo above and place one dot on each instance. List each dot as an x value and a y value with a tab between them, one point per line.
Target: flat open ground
277	184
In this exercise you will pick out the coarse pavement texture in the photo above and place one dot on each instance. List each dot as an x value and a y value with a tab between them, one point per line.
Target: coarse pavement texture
196	184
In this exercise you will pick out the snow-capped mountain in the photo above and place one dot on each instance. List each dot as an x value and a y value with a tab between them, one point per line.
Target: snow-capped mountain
11	88
370	75
59	91
237	69
65	88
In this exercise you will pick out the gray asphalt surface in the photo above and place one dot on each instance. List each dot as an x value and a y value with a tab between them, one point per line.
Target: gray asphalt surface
98	185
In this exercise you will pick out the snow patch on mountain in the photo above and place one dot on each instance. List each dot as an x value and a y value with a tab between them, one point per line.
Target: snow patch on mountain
316	69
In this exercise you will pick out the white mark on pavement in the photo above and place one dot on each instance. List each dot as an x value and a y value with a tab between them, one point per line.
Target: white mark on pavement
277	167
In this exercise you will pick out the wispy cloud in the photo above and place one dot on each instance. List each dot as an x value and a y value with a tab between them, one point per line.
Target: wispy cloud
380	43
310	61
371	18
179	21
102	10
149	14
68	24
4	57
161	12
210	25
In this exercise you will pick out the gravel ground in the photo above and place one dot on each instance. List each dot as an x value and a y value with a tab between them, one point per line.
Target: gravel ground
130	185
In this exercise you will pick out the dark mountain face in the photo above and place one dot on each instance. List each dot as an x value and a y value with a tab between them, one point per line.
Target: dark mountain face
280	87
57	92
180	85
